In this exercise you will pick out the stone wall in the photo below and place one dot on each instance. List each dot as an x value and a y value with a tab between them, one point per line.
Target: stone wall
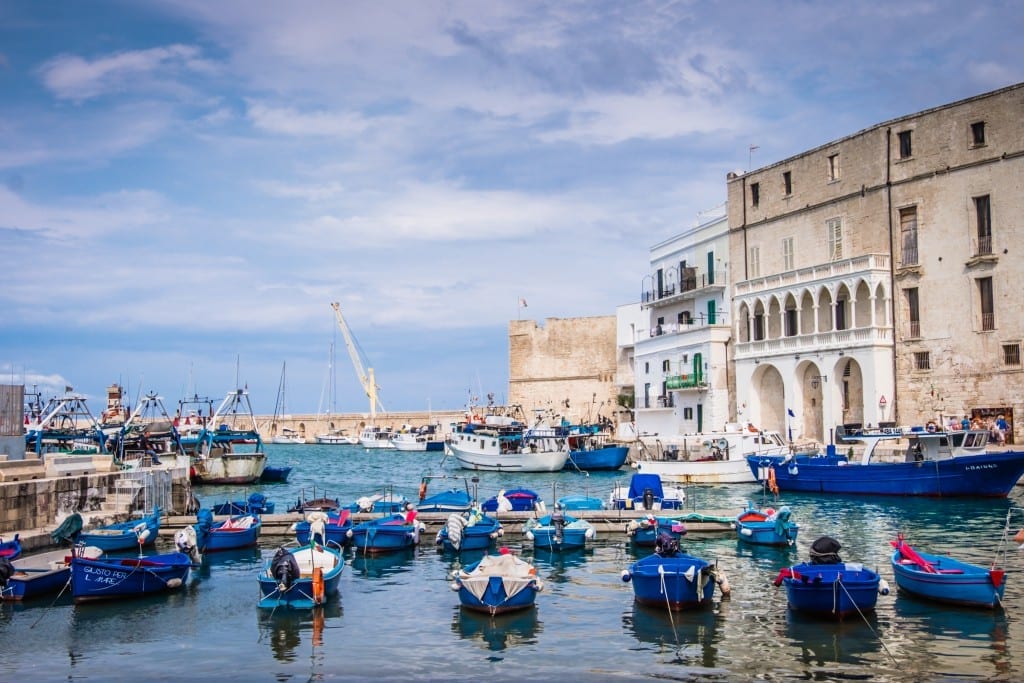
309	426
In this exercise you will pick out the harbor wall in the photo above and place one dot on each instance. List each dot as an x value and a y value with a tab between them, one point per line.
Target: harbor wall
310	425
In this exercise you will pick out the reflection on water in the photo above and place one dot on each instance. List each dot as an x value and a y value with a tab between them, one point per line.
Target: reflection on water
285	630
557	565
690	636
243	559
382	565
822	640
500	631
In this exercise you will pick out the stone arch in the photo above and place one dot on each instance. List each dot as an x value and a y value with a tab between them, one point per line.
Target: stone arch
806	318
862	312
825	303
841	308
882	309
768	393
849	381
774	318
743	323
812	388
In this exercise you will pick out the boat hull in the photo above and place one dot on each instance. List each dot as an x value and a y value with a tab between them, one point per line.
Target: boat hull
480	536
497	584
275	474
127	577
983	475
606	458
699	472
540	461
755	527
37	575
237	468
301	594
337	534
670	588
123	536
832	590
643	533
954	583
222	537
384	535
495	600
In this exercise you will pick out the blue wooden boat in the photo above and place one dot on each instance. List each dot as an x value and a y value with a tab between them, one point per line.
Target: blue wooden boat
129	577
521	500
451	500
558	531
469	531
497	583
829	587
672	580
256	504
336	526
10	550
581	502
645	531
37	575
124	535
646	492
303	577
273	474
591	450
944	579
386	503
766	527
240	531
392	532
937	463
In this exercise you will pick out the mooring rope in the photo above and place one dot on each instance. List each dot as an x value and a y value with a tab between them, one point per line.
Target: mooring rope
866	622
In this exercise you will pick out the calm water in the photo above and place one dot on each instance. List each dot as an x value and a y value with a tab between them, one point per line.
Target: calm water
397	619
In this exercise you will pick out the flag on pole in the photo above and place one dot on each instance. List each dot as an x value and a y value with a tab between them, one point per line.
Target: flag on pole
790	411
522	302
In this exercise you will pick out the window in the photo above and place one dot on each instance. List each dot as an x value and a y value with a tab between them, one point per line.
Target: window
758	326
841	314
787	253
834	230
684	318
755	194
983	212
790	322
647	368
913	311
755	262
906	148
908	233
833	167
988	314
978	134
647	395
787	183
1011	354
922	360
687	413
666	365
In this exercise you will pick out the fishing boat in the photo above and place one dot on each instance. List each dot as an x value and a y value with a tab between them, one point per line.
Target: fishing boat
287	435
222	453
646	492
497	583
590	450
472	530
451	500
301	578
64	425
37	575
558	531
126	577
426	438
327	528
767	526
324	503
240	531
645	531
10	550
944	579
337	437
501	443
256	504
124	535
275	474
673	580
146	438
935	463
718	457
386	534
513	500
828	587
385	502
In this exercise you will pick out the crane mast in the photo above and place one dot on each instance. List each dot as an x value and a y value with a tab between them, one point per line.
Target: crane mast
364	375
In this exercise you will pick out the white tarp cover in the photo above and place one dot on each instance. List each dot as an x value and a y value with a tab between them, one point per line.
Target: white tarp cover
516	575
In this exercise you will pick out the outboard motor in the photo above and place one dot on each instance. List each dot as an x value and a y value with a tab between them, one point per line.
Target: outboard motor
558	521
6	570
185	541
825	550
666	545
648	499
284	568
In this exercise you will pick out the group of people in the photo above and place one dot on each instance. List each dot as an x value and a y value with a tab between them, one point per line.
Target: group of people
998	428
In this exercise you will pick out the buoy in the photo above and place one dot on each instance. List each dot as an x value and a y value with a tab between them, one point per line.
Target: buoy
173	583
318	585
454	586
883	587
1019	537
626	576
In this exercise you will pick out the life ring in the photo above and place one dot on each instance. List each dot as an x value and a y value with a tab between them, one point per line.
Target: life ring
318	585
932	427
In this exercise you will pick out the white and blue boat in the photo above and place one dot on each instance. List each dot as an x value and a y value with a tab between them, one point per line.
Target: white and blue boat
39	575
472	530
646	492
386	534
767	526
581	502
497	584
944	579
450	500
645	531
935	463
558	531
328	528
124	535
240	531
590	449
301	578
256	504
128	577
673	580
512	500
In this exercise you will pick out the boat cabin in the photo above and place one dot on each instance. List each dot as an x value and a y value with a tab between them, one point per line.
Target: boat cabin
928	446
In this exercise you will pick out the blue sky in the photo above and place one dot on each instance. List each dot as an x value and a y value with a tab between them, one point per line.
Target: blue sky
186	185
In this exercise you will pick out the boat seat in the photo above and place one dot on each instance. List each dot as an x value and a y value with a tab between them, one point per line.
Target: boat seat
310	559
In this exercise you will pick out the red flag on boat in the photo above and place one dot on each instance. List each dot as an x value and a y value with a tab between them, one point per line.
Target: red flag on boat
910	554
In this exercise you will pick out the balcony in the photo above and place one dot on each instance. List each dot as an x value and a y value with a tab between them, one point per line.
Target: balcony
872	266
688	325
689	288
677	382
861	337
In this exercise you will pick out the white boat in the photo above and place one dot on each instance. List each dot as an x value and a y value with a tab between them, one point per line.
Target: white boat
503	444
710	457
376	437
338	437
229	449
425	438
287	435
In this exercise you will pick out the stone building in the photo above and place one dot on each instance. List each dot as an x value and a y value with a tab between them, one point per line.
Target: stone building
874	275
565	367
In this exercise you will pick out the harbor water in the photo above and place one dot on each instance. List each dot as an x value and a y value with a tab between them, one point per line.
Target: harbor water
396	617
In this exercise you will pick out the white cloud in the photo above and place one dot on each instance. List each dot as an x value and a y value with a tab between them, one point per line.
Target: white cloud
290	121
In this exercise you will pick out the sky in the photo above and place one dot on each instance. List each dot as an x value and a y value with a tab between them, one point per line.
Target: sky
186	186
